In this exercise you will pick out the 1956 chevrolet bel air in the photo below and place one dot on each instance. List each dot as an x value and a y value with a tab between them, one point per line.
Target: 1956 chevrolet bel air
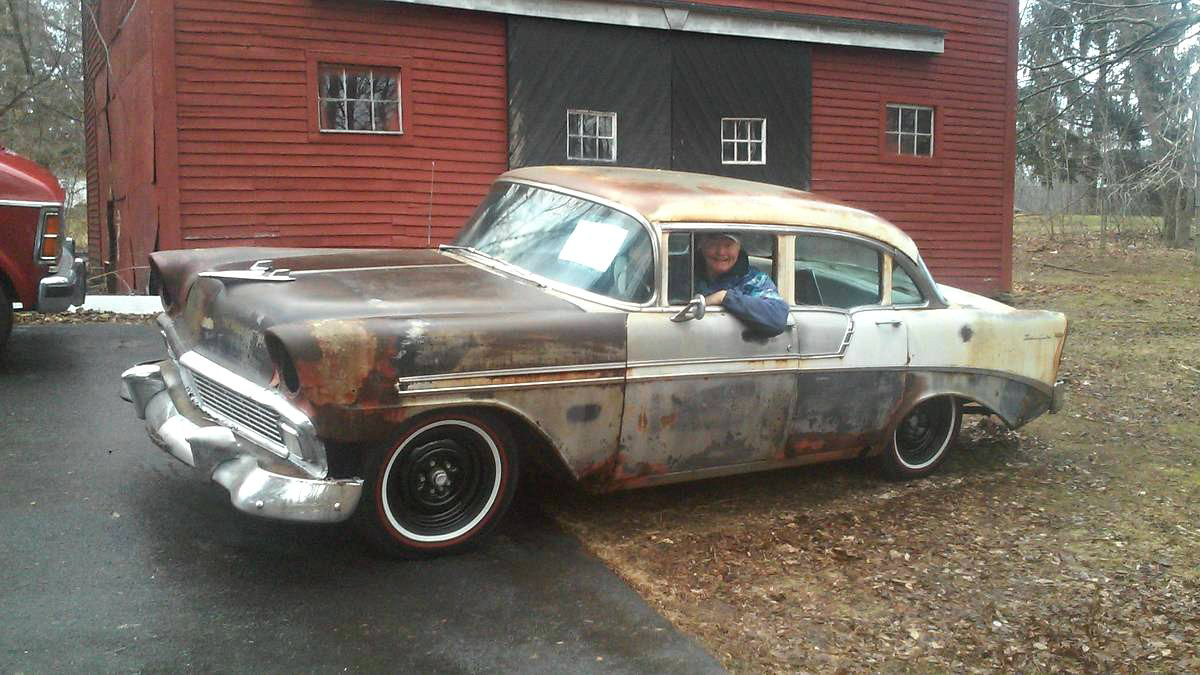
403	388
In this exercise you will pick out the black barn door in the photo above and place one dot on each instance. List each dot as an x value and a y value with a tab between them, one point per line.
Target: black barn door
760	86
669	92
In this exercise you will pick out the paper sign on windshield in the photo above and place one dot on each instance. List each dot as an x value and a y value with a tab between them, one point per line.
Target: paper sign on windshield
593	244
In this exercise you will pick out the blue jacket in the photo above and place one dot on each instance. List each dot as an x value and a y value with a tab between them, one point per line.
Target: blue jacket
750	295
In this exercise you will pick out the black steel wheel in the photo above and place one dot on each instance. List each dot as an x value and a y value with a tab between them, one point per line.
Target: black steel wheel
441	487
6	316
921	439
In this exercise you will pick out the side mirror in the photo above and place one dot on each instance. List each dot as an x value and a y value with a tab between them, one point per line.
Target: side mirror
693	310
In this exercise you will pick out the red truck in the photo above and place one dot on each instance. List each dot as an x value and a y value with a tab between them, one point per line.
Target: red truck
38	267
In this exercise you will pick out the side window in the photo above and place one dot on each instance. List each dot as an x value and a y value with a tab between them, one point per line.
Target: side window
687	272
836	272
904	290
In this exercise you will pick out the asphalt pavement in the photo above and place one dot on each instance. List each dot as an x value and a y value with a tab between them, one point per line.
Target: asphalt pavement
112	558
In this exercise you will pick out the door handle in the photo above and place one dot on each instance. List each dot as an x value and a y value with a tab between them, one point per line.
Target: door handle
893	322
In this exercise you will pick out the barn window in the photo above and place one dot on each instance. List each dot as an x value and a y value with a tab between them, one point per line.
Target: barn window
591	135
358	99
743	140
910	130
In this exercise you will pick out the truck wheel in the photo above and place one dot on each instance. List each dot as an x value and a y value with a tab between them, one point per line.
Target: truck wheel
6	316
441	487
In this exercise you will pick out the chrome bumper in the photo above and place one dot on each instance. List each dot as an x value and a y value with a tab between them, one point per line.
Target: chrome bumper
257	480
1058	397
67	286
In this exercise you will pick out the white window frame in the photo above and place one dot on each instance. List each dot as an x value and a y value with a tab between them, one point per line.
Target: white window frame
572	133
738	141
322	99
905	142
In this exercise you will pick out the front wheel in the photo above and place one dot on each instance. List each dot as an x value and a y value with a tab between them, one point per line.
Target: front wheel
441	488
920	441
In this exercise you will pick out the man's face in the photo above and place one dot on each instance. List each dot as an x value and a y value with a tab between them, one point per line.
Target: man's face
720	253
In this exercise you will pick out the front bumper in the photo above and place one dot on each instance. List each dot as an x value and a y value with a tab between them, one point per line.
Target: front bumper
259	482
67	286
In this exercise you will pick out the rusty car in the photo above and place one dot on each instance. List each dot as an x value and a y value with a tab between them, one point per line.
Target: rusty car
403	389
38	265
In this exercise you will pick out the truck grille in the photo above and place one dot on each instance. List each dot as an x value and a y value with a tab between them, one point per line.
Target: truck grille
239	409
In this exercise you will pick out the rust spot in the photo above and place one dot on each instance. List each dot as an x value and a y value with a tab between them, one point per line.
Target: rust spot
666	421
966	333
614	474
643	422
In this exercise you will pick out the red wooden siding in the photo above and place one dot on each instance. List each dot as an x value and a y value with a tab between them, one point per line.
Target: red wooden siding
254	170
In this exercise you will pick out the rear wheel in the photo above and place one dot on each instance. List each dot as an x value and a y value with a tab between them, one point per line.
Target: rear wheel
920	441
6	316
441	488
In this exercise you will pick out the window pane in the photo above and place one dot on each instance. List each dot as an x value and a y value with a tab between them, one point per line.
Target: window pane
924	146
679	268
925	121
359	115
604	149
908	119
727	129
387	117
605	126
742	153
358	83
756	130
385	87
330	82
893	118
836	272
589	147
756	152
333	115
904	289
574	148
727	151
589	125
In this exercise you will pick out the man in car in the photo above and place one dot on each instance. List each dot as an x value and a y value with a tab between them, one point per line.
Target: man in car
726	278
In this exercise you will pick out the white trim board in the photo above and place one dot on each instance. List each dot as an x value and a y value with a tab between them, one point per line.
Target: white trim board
696	18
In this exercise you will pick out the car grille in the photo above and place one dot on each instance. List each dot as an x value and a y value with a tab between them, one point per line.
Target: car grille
225	403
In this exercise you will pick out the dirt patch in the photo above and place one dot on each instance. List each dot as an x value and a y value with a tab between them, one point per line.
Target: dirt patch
1073	544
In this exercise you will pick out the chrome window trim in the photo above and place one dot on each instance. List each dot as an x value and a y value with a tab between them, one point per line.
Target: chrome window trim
313	460
567	289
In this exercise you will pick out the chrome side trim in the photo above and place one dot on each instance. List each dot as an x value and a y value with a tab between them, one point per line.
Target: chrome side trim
509	372
30	205
508	385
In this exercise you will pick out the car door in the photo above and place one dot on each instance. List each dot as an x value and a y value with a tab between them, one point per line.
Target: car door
853	348
706	394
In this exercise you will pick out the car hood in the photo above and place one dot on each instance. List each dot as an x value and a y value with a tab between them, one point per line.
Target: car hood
352	321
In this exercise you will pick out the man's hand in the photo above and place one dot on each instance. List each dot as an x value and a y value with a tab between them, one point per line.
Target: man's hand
715	298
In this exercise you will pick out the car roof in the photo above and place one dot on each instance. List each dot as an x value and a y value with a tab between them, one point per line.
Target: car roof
678	197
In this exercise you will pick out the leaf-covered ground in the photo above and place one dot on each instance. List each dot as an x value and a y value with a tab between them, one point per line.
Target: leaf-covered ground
1072	544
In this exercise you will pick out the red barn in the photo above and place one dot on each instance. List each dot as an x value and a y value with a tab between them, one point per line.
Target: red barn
381	123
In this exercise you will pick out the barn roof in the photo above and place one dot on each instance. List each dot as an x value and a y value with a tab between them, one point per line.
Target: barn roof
677	197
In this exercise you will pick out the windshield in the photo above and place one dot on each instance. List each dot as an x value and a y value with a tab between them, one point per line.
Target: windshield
567	239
